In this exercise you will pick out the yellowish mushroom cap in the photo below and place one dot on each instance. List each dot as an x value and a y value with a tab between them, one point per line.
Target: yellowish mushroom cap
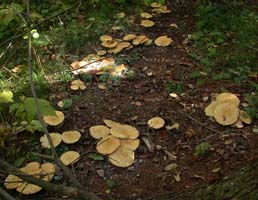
156	5
110	123
129	37
108	145
55	119
99	131
140	40
104	38
156	122
209	110
102	52
226	113
70	137
163	41
69	157
122	157
31	168
28	188
12	182
124	131
56	138
228	97
130	144
147	23
47	171
109	44
77	85
146	15
148	42
245	117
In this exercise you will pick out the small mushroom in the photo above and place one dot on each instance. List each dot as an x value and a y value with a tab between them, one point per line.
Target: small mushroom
122	157
70	137
54	120
12	182
130	144
129	37
124	131
163	41
99	131
31	168
108	144
102	52
77	85
47	171
245	117
226	113
109	44
69	157
105	38
139	40
155	5
147	23
148	42
110	123
156	122
146	15
56	139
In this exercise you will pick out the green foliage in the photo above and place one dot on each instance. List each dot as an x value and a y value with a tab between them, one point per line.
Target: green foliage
174	87
252	100
202	148
96	157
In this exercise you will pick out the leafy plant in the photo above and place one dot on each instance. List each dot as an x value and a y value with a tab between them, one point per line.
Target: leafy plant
202	148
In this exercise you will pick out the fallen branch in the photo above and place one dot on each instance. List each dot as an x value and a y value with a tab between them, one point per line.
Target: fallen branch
5	195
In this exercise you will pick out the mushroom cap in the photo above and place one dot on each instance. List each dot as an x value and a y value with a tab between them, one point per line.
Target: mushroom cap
102	52
148	42
116	50
69	157
147	23
108	145
140	40
31	168
47	171
209	110
245	117
124	131
109	44
56	139
70	137
54	120
122	157
99	131
156	122
110	123
228	97
155	5
226	113
12	182
163	41
146	15
104	38
28	188
129	37
130	144
77	84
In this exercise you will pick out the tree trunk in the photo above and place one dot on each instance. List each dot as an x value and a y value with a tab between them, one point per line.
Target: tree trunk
242	185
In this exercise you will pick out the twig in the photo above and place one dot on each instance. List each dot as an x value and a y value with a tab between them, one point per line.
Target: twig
5	195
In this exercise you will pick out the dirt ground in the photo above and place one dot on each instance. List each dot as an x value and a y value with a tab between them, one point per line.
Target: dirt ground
134	101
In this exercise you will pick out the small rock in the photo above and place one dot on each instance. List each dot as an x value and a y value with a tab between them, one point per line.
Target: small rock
101	173
130	168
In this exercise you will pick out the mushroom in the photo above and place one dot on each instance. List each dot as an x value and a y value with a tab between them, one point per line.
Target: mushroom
120	47
130	144
148	42
146	15
105	38
129	37
245	117
47	171
226	113
108	144
54	120
110	123
139	39
228	97
124	131
147	23
12	182
156	122
56	139
209	110
155	5
77	85
102	52
69	157
163	41
122	157
99	131
109	44
28	188
70	137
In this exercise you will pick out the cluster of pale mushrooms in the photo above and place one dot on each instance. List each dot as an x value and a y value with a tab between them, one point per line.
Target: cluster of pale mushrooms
43	171
225	110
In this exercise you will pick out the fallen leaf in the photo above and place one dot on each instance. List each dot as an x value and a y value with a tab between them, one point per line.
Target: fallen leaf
171	167
177	177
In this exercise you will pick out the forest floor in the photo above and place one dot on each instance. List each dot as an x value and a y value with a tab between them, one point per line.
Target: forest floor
136	100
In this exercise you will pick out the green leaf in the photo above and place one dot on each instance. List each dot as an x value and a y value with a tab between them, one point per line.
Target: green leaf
33	126
95	156
44	106
6	16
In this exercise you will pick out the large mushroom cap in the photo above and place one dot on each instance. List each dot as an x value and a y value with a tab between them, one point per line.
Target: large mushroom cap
228	97
110	123
156	122
124	131
28	188
47	171
122	157
209	110
147	23
226	113
69	157
12	182
31	168
104	38
55	119
70	137
129	144
163	41
99	131
77	85
56	139
129	37
108	145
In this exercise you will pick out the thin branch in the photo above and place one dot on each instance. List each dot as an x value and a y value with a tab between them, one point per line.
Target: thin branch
6	195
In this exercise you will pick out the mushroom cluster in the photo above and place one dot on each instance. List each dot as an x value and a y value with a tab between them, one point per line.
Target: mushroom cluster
43	171
159	8
225	110
117	141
